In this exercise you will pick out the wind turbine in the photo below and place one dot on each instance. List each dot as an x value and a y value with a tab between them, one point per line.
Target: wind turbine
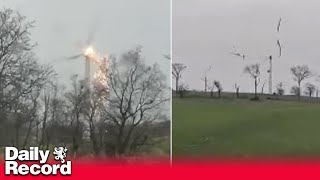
270	57
89	55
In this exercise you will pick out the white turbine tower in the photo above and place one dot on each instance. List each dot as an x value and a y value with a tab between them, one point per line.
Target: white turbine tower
89	56
88	59
270	75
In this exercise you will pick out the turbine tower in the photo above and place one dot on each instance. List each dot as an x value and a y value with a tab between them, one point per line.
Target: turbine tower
87	70
270	75
88	55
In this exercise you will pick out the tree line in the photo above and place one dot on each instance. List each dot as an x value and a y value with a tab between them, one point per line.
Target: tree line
299	74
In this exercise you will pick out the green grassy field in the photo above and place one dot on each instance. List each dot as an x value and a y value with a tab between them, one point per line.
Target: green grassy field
244	128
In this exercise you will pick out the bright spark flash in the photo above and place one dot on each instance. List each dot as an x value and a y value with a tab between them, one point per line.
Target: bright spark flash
92	55
101	74
102	66
89	51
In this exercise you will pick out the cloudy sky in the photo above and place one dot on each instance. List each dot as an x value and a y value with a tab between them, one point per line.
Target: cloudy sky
119	25
204	32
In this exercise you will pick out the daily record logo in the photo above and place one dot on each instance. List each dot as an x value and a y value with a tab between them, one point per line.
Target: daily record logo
14	161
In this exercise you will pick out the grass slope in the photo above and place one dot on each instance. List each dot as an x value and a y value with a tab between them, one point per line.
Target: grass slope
204	126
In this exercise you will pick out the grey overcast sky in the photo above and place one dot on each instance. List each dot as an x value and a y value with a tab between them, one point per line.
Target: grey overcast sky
120	25
204	32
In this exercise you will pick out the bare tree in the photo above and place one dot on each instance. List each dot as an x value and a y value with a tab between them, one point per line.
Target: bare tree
237	88
92	112
46	101
218	85
137	92
300	73
262	87
183	90
76	99
280	90
211	88
21	77
254	71
53	124
15	47
31	99
177	69
310	89
295	90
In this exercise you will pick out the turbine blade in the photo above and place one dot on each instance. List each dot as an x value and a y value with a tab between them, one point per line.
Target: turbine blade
74	57
280	48
91	35
279	24
93	28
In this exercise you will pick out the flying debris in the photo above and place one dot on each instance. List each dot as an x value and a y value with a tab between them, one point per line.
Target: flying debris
280	48
240	55
100	75
279	24
237	53
278	41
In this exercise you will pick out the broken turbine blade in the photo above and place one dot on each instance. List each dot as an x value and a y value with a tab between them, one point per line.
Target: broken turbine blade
74	57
